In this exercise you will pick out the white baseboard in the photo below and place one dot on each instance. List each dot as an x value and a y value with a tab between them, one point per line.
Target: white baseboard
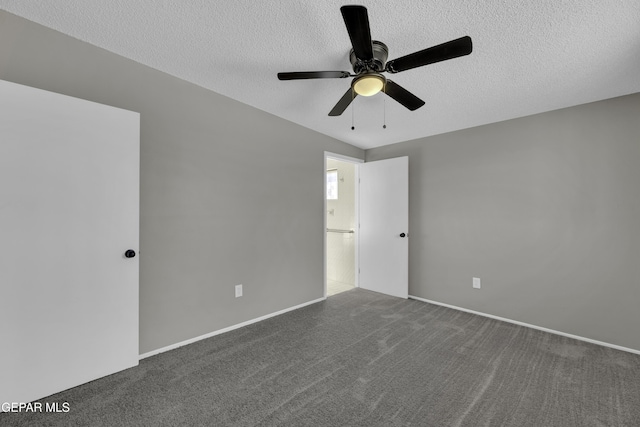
230	328
552	331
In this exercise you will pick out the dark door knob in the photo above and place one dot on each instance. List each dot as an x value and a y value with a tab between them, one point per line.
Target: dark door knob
402	235
130	253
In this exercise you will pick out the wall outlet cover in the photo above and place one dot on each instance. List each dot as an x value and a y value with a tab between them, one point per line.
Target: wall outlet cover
476	282
238	291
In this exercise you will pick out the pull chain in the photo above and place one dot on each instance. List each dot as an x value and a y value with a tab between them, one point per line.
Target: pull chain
384	107
384	113
352	98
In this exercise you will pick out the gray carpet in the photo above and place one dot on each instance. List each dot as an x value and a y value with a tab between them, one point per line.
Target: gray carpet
364	359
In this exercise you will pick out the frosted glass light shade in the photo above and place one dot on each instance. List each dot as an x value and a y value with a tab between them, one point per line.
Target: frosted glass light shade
368	85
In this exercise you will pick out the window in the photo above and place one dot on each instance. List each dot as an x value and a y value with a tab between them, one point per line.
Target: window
332	184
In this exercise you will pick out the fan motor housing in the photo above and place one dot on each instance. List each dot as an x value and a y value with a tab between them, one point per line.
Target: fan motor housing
377	64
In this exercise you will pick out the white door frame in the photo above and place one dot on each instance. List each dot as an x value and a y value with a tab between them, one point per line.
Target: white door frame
356	162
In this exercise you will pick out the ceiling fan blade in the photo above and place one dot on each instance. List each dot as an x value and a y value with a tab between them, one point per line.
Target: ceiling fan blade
357	22
403	96
343	103
313	75
442	52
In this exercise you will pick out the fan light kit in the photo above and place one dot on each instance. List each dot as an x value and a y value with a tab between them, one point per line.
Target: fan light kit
369	59
368	84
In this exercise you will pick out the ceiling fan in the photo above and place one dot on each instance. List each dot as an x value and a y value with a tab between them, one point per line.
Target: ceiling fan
369	59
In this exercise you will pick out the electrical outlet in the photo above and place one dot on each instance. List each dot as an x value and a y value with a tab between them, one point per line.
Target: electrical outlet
238	291
476	282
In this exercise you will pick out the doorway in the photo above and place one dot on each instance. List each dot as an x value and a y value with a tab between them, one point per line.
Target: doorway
372	245
341	214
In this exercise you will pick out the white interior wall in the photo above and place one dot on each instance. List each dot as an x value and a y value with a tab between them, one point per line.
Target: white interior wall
341	215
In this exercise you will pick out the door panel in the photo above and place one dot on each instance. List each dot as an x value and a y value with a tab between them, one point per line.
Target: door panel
69	209
384	216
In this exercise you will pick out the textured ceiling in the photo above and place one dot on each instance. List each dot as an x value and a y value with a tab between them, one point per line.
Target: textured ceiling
529	56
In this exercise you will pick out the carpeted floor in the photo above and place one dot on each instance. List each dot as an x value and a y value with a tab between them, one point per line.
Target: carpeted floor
335	287
365	359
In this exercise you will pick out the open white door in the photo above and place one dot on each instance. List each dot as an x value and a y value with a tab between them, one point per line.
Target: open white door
384	223
69	210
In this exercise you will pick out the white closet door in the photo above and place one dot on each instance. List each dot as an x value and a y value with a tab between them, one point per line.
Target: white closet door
384	223
69	210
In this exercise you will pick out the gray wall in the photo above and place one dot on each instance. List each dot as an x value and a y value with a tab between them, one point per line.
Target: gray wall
544	209
229	194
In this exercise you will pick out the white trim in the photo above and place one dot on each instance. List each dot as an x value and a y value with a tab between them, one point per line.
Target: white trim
356	255
342	158
356	162
324	227
228	329
528	325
